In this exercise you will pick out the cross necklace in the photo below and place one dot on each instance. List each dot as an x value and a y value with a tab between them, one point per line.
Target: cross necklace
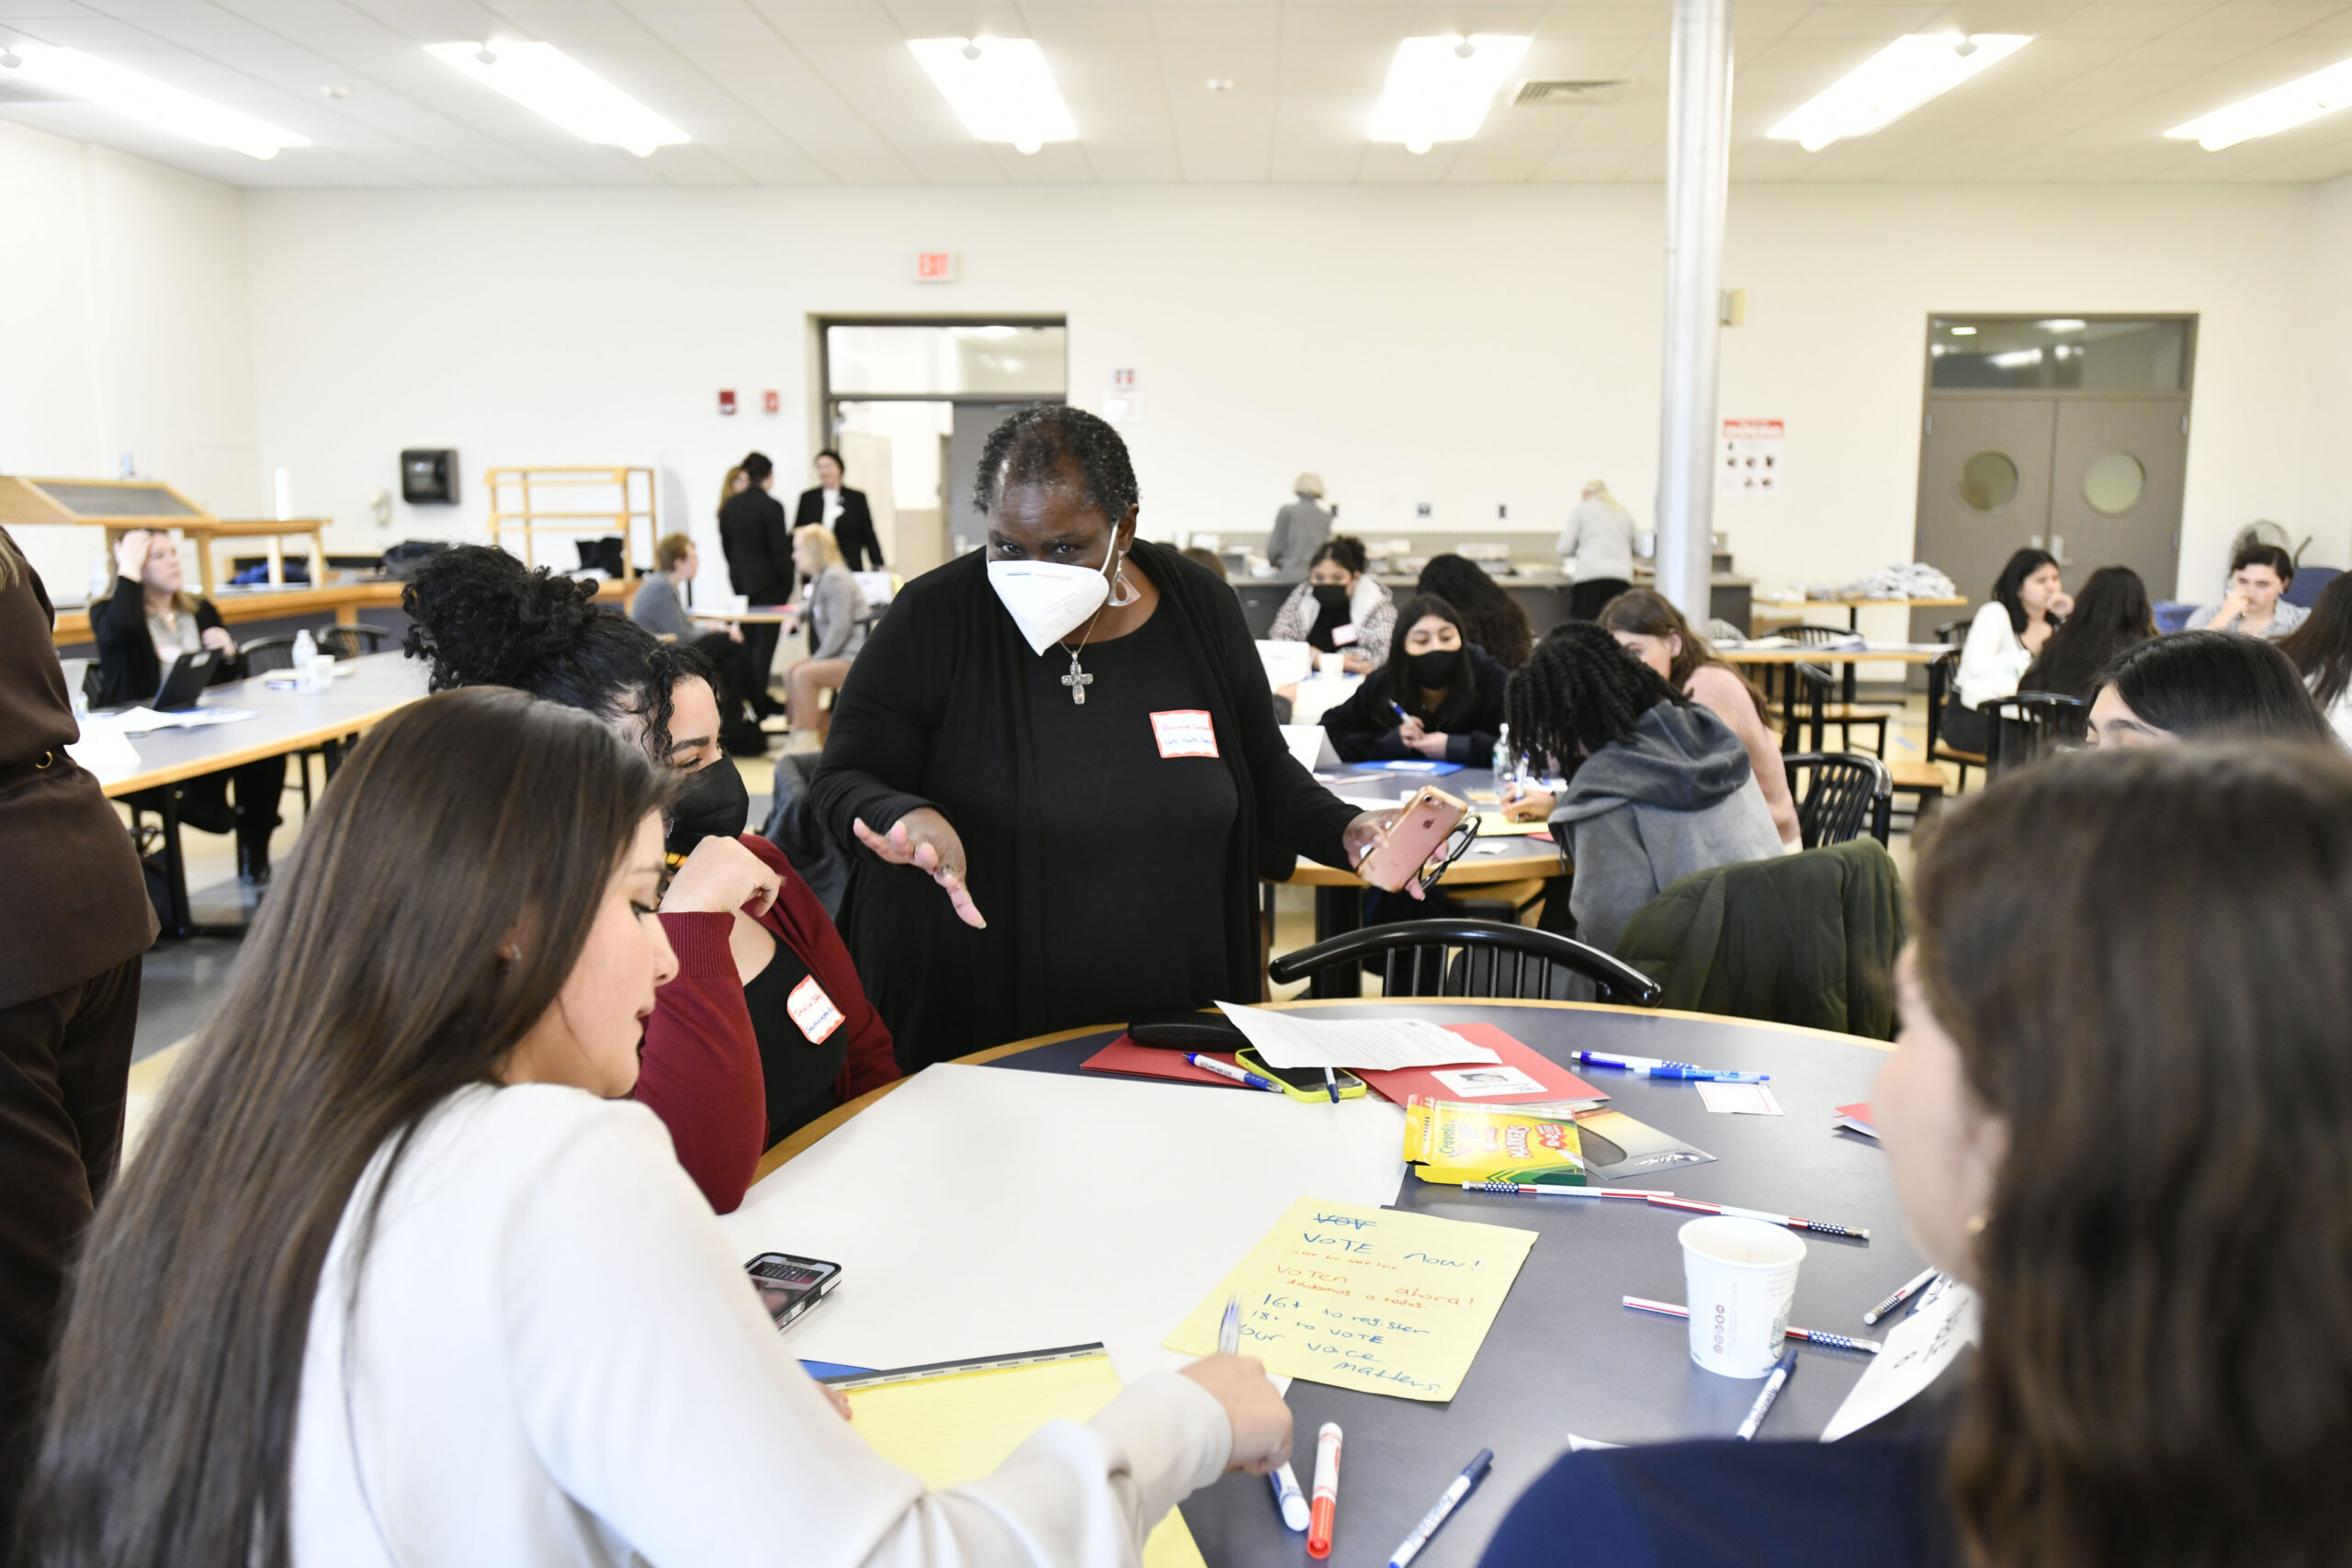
1078	679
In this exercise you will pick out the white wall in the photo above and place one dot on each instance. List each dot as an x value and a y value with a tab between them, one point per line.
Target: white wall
123	294
2325	510
1466	347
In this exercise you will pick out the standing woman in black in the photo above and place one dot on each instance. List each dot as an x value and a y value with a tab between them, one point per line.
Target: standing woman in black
73	929
833	505
1069	732
149	619
759	565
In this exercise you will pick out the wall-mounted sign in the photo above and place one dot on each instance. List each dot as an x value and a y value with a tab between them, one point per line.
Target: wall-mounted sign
1748	457
771	401
727	400
936	266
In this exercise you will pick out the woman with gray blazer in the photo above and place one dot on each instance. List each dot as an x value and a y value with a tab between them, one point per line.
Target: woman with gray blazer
834	610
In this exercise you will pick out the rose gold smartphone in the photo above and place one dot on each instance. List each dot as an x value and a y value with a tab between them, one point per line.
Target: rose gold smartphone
1419	832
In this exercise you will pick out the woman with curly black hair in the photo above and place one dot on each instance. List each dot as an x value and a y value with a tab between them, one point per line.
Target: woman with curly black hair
1491	616
1658	785
766	1027
1070	733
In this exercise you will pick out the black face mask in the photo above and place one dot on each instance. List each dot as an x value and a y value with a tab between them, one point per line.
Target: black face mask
1436	669
1332	598
713	805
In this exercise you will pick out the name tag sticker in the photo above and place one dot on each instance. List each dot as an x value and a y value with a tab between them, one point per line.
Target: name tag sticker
813	1010
1184	732
1343	635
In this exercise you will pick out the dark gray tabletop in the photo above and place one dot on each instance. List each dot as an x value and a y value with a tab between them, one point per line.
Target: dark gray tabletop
1564	1355
1490	858
283	721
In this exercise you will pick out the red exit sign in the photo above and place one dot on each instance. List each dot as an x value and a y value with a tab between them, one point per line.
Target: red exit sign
935	266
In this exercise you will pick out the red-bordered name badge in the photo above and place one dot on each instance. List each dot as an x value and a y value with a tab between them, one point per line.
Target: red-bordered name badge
1184	732
813	1010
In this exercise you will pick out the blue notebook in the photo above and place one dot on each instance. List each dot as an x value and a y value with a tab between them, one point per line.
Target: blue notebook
1419	767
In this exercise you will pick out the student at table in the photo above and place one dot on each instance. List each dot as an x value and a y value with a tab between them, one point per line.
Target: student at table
660	608
2111	615
835	609
752	532
2203	686
2027	604
2259	575
1658	786
2321	648
1491	616
1439	696
2136	1154
399	1276
1648	625
1340	608
840	512
1070	733
766	1027
74	929
148	619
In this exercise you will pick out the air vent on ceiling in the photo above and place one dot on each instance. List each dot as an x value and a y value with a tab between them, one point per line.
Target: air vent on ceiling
1574	94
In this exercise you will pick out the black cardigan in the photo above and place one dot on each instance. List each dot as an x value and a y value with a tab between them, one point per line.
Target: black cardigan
129	670
854	532
758	549
1363	728
935	710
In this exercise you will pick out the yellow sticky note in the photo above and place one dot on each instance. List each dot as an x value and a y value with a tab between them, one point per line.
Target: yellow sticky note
1368	1299
959	1426
1492	825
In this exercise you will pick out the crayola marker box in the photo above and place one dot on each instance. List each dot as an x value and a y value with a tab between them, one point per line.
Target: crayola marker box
1447	1142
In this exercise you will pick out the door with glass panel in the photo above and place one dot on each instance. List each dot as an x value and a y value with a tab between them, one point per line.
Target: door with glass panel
2115	498
1985	488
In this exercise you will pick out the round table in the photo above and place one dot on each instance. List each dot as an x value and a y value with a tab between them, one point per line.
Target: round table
1565	1355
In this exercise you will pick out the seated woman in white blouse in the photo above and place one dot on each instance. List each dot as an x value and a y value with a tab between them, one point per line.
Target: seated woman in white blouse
397	1280
2027	604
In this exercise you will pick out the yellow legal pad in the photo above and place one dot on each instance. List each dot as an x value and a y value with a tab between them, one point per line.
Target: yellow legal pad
958	1425
1371	1299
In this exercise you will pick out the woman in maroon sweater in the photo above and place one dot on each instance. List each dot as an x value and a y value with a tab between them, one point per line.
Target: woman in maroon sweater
766	1026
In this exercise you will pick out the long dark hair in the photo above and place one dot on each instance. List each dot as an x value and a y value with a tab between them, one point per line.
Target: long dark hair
2322	647
2022	565
1651	613
2215	684
1491	616
2146	960
1346	550
1579	692
371	989
1397	683
2111	613
484	619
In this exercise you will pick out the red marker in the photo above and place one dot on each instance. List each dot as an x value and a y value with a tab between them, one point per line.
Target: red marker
1326	1489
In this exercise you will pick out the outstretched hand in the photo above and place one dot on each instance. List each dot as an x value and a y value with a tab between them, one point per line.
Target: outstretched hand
1364	834
922	839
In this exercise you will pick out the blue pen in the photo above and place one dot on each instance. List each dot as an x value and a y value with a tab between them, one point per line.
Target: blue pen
1652	1067
1472	1474
1211	1064
1781	1372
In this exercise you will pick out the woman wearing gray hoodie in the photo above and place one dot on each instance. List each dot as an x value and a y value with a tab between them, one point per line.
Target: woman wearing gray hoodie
1658	786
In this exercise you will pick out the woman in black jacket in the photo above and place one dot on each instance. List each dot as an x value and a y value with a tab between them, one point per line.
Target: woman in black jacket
849	517
149	617
1439	696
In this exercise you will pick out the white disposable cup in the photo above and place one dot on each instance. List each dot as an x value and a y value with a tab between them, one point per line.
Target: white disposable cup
319	673
1740	1277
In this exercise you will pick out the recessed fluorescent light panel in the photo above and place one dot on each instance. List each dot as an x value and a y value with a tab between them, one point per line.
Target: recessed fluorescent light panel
142	98
551	84
1892	83
1440	89
1000	87
2268	114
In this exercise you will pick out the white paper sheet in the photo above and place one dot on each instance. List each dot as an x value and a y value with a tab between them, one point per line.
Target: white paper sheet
143	720
105	751
1739	1099
1382	1044
1311	745
982	1209
1910	1358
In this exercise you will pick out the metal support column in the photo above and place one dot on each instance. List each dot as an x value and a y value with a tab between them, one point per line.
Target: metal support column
1698	171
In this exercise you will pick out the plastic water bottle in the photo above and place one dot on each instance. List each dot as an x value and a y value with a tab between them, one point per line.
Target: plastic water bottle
306	655
1506	772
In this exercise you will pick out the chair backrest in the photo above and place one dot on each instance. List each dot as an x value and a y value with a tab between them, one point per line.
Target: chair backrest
1953	632
263	654
1469	958
2032	725
2309	580
1942	671
1844	796
1815	637
350	642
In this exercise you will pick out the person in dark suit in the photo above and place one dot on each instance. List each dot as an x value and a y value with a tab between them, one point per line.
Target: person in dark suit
759	563
843	511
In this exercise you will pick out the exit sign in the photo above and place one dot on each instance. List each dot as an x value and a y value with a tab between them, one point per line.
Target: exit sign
935	266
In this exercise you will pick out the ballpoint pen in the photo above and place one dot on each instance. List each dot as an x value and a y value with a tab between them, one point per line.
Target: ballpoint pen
1902	1294
1211	1064
1824	1226
1781	1372
1652	1067
1283	1479
1472	1474
1810	1336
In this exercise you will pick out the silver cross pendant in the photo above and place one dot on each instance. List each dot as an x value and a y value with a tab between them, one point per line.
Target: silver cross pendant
1077	681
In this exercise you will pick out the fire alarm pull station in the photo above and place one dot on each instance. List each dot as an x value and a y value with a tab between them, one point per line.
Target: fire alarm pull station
771	401
726	403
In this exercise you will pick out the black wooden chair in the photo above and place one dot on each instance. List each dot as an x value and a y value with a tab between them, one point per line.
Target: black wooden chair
1468	958
1841	714
350	642
1940	675
264	654
1842	796
2032	725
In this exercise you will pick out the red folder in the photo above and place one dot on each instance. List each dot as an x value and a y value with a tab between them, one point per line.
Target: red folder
1856	1117
1125	1057
1557	1081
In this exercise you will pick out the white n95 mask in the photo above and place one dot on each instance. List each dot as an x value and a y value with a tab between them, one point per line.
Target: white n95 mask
1048	601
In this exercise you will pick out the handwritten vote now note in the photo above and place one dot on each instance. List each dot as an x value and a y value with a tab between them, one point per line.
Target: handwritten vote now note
1365	1298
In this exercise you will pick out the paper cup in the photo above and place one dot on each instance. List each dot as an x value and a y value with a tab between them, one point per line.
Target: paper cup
1740	1276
